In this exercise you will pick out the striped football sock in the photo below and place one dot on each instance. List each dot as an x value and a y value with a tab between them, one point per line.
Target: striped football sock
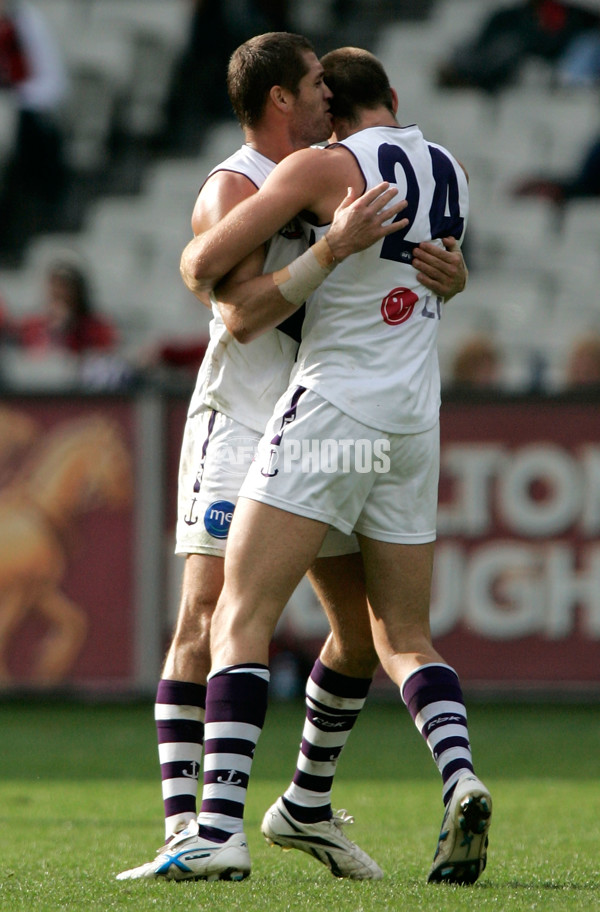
434	699
179	714
333	702
236	704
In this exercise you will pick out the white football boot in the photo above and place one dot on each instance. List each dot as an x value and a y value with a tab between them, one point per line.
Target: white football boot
324	840
461	852
190	857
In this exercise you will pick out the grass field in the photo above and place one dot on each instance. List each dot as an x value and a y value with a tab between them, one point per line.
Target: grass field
80	801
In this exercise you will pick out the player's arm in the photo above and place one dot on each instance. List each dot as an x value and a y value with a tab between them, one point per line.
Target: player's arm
221	193
305	180
302	181
251	305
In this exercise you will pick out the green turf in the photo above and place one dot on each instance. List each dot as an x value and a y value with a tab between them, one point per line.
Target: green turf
80	800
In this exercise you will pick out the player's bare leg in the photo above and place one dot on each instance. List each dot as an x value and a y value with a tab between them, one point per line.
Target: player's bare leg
181	692
186	666
188	657
256	589
260	581
339	583
398	586
302	818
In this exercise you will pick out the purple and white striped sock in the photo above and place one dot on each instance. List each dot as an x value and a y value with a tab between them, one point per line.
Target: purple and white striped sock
433	696
236	704
179	715
333	702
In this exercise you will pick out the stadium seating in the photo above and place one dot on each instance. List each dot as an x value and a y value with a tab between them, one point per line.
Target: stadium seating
530	264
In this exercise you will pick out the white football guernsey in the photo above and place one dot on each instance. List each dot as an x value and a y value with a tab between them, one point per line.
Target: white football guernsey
370	332
245	381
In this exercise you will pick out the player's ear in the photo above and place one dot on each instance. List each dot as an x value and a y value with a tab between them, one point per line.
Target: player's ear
394	100
280	97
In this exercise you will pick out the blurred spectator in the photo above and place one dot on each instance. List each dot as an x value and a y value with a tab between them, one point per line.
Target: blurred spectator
198	94
583	182
33	70
68	343
68	322
583	365
510	36
476	364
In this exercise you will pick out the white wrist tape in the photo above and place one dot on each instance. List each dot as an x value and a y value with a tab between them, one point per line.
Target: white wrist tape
304	274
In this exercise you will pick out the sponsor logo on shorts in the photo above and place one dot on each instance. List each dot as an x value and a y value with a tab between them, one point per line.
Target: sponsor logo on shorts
217	518
329	456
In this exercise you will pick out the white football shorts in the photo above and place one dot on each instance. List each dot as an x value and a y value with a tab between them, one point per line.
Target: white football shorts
216	453
316	461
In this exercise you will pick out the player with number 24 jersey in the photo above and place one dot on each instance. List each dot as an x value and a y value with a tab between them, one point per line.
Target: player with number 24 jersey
373	301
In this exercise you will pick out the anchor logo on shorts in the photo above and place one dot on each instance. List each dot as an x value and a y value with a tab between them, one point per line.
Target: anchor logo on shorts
190	520
270	470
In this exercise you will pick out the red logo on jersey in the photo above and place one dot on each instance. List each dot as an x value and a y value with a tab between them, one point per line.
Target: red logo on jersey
398	306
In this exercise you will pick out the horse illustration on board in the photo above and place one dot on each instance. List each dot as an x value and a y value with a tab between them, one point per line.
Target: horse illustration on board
78	466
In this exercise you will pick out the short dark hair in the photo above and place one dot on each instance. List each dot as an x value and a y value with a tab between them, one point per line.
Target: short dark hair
357	80
275	58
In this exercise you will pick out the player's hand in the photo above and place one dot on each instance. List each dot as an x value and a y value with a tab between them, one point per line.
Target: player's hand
359	221
443	271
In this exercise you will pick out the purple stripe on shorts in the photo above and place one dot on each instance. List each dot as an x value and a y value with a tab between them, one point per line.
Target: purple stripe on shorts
289	415
211	424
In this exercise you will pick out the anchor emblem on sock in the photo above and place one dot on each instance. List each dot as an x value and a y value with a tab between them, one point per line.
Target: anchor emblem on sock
194	772
232	779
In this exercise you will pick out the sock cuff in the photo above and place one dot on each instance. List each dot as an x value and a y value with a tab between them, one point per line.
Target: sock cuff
181	693
432	674
253	668
237	694
340	685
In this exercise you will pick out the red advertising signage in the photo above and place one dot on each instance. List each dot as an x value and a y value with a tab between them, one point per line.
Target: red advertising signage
517	573
87	512
66	544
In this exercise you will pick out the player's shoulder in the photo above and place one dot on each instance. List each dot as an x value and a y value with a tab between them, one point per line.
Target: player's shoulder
306	158
221	192
320	164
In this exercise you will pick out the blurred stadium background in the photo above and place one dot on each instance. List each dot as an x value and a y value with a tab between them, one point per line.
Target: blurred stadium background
517	595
